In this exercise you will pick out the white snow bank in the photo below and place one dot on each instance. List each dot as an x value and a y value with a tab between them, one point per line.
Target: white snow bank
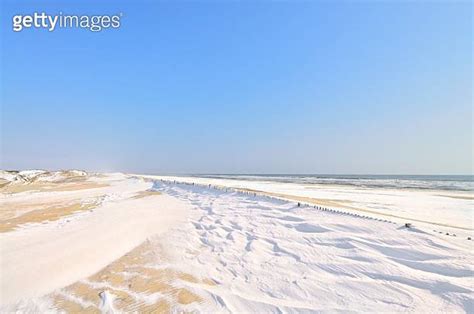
269	255
26	176
436	207
42	258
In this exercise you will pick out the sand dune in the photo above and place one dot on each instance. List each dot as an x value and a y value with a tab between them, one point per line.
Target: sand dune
54	247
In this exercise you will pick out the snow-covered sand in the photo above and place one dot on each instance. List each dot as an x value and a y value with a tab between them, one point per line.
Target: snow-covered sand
269	255
230	249
442	209
38	258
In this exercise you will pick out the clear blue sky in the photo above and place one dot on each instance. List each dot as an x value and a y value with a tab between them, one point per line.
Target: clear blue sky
239	87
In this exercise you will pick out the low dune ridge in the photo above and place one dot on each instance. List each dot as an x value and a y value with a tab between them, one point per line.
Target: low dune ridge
29	176
37	196
72	233
42	180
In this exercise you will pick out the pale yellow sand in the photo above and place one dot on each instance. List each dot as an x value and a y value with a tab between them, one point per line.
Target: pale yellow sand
146	194
16	213
461	197
130	276
49	187
50	213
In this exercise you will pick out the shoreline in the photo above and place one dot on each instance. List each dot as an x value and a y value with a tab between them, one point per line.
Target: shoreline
331	196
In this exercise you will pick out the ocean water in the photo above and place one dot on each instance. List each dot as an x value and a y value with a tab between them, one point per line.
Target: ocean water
425	182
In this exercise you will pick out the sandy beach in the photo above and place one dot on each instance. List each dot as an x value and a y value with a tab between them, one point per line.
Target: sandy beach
81	242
